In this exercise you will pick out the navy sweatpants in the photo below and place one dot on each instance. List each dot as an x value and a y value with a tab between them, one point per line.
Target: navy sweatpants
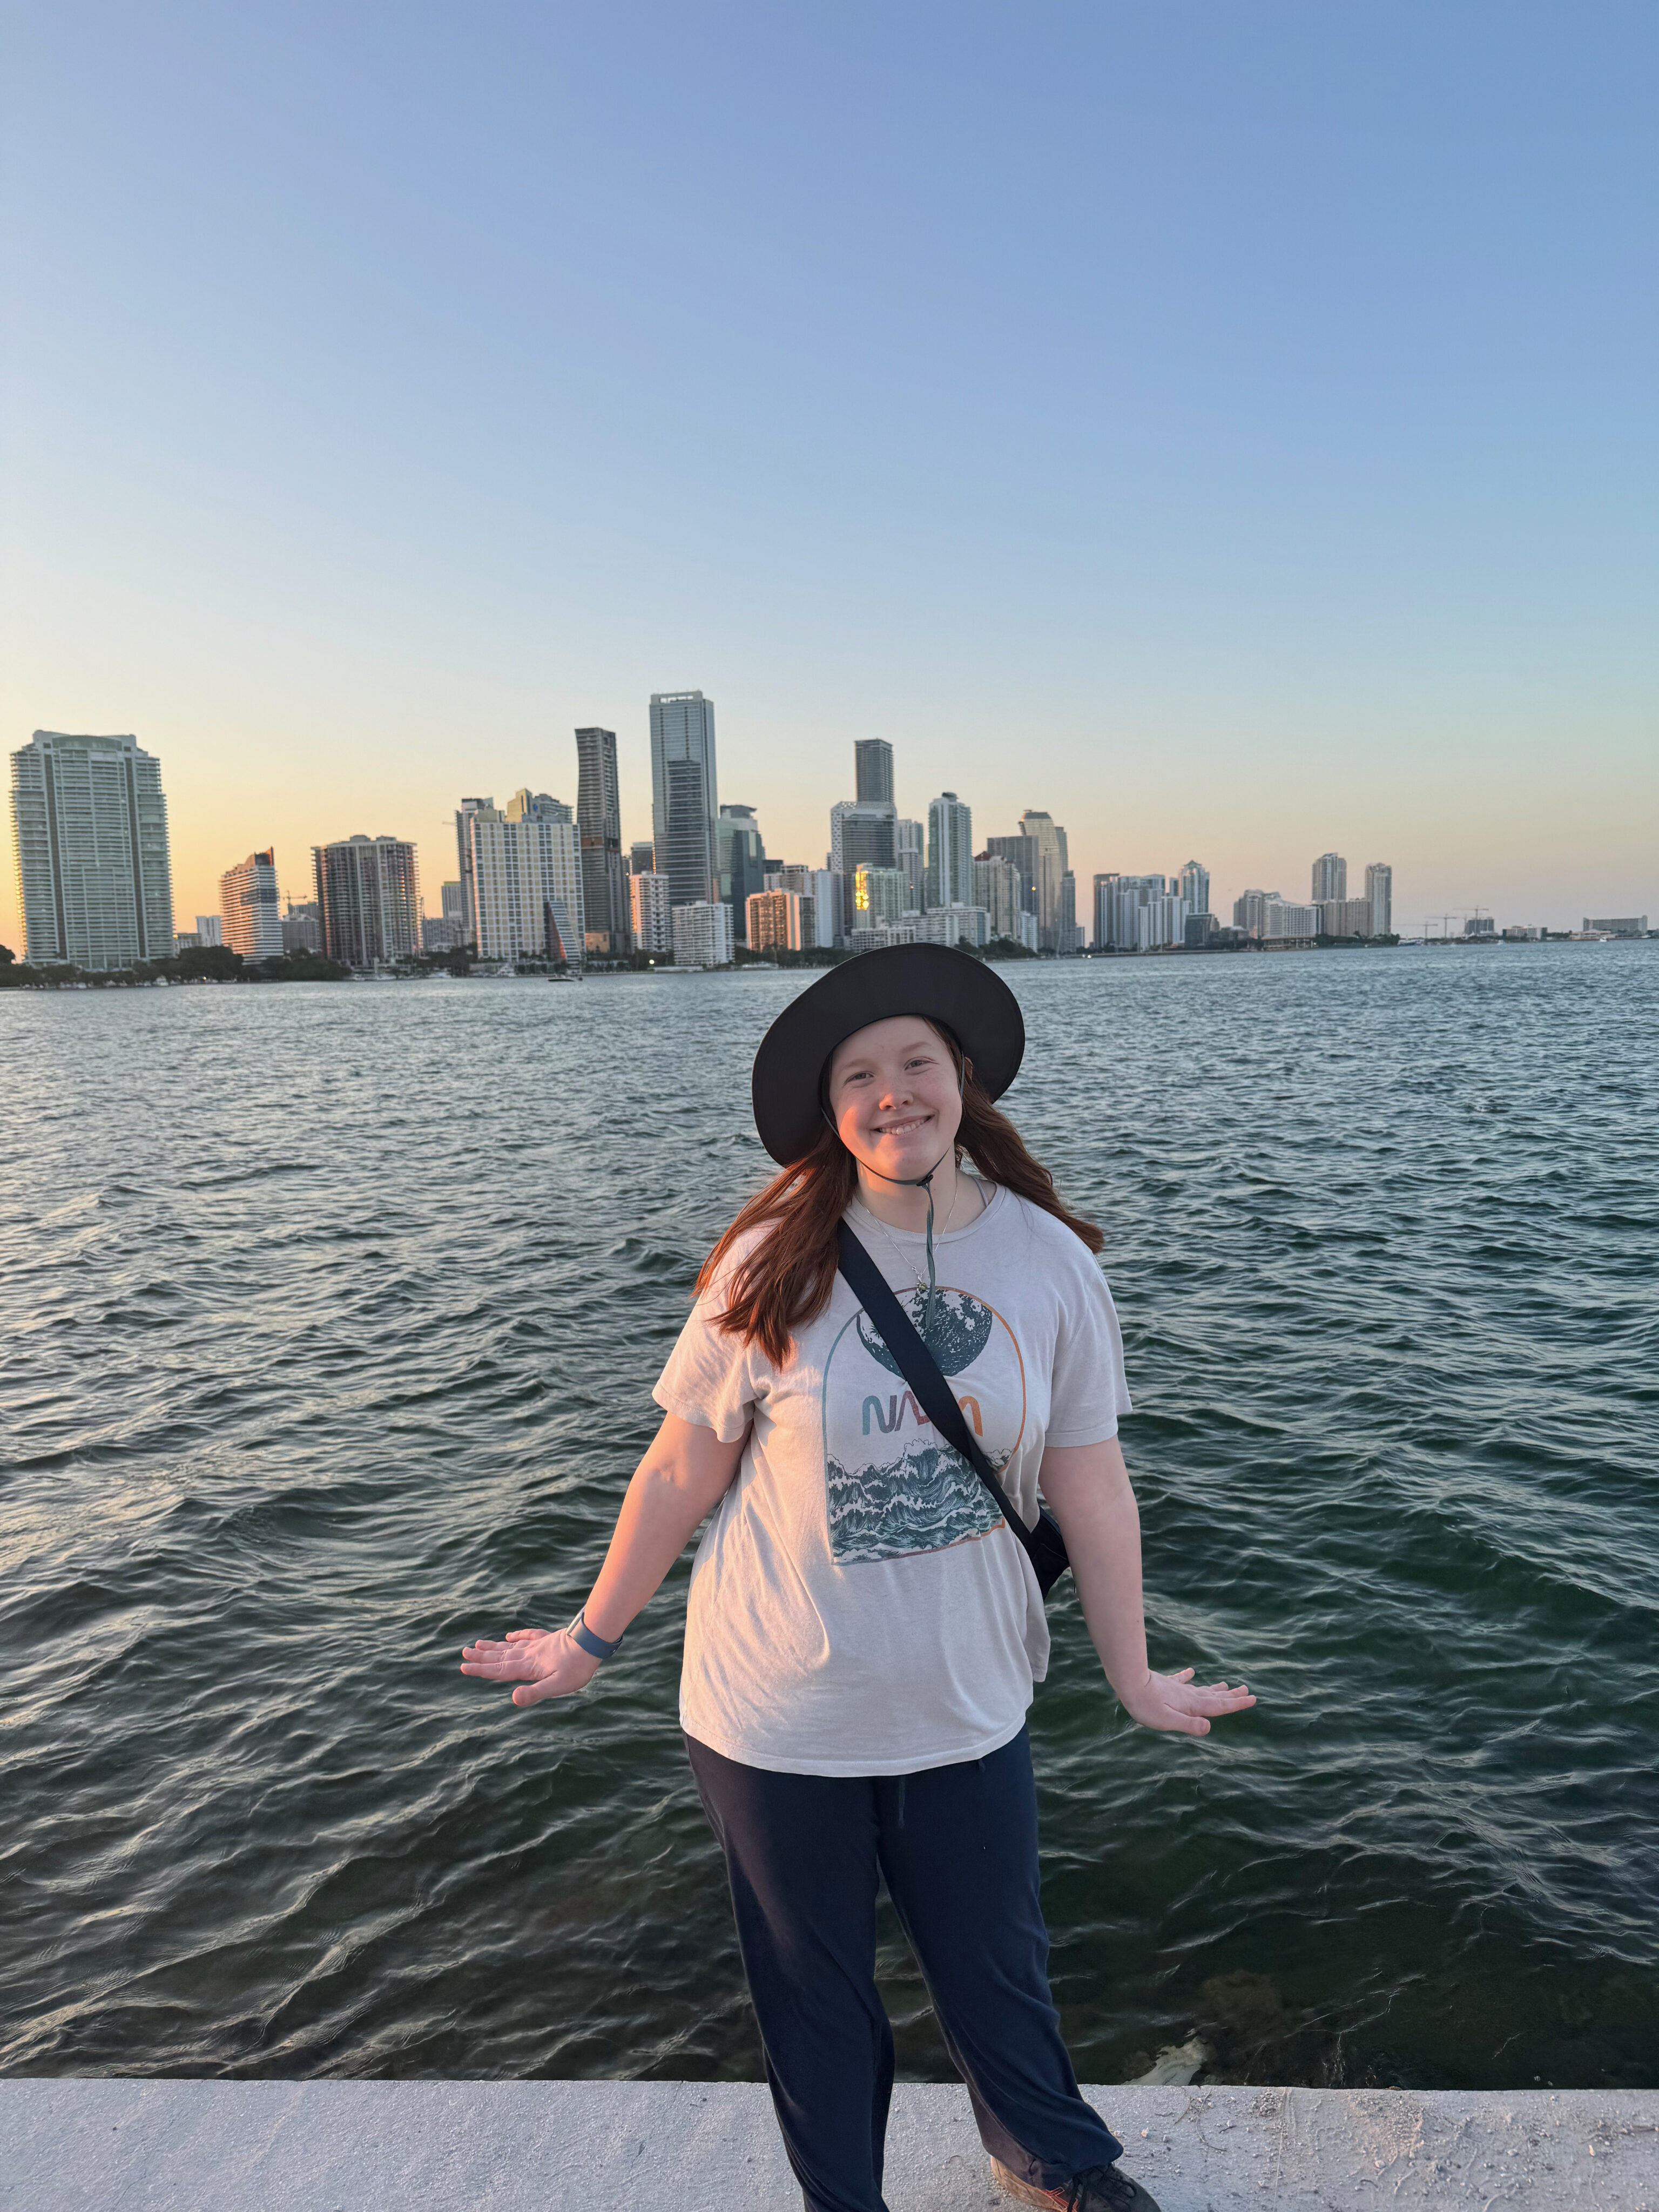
957	1846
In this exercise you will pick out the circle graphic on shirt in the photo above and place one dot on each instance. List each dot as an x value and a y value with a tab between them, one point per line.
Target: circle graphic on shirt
894	1486
961	1330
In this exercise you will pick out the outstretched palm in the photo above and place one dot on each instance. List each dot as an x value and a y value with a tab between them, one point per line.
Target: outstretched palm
544	1661
1171	1701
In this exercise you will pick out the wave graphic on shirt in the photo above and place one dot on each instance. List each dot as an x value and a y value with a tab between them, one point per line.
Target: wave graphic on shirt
924	1501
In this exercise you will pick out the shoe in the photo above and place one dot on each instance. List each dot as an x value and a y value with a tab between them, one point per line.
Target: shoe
1101	2189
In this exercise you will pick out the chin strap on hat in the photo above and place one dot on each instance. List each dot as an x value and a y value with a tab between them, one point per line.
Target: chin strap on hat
922	1183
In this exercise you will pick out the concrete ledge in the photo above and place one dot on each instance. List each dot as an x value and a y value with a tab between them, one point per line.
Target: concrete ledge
159	2146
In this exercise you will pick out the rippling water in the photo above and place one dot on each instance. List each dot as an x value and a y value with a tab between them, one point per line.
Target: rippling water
332	1314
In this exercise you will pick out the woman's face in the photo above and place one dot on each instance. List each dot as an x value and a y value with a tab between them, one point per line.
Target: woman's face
894	1097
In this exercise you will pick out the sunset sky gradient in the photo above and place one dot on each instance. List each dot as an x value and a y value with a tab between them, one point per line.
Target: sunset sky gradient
1232	428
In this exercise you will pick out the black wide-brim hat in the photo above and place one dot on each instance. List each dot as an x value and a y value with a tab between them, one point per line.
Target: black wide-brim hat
959	992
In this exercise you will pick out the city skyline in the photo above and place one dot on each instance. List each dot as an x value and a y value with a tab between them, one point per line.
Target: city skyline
730	834
1118	473
90	829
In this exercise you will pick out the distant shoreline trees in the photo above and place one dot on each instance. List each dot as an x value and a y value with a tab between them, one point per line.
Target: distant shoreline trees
196	964
217	964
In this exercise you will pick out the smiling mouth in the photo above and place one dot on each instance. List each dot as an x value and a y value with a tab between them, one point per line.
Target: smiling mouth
903	1129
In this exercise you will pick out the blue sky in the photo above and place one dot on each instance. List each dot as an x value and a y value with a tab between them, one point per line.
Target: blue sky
1230	427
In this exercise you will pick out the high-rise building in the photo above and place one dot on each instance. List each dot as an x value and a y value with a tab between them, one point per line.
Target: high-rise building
1105	885
1615	925
1283	919
949	852
605	910
702	934
873	770
1050	864
1117	896
1137	914
883	934
1000	888
1379	890
527	805
247	907
641	857
302	928
862	833
209	929
1067	933
654	926
1195	887
1160	920
463	814
775	923
909	854
739	862
1330	877
1345	917
527	880
451	905
878	894
1251	911
94	875
819	891
368	899
949	925
1022	853
685	794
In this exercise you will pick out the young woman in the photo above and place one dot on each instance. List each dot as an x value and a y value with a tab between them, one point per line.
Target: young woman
864	1629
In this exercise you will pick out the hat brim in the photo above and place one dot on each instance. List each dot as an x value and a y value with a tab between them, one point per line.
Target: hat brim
952	988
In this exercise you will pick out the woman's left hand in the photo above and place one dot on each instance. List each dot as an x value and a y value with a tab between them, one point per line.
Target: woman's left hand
1171	1702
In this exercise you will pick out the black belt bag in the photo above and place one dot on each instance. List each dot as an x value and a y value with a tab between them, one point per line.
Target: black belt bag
1045	1547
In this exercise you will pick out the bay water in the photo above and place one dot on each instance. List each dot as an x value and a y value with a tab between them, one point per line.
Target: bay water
331	1318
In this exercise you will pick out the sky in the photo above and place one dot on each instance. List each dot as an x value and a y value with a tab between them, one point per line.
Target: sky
1231	428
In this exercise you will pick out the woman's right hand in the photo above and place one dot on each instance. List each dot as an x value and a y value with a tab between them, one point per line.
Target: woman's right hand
544	1662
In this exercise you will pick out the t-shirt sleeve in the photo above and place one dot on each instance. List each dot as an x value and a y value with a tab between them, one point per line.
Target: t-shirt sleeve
711	1378
1091	1390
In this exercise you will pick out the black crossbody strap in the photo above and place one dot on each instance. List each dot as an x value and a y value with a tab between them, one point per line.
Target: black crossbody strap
921	1372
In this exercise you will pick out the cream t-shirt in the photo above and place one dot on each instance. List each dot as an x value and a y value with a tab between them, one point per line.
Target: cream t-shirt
858	1604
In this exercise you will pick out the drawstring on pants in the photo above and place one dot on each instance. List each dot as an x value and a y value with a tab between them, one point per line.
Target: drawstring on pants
894	1802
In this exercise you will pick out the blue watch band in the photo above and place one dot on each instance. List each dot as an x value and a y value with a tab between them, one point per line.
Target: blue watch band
594	1644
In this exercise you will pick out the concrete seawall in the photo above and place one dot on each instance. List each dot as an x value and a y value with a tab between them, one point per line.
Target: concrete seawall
161	2146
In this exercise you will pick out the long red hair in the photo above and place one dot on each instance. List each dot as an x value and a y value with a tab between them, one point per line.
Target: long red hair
787	1279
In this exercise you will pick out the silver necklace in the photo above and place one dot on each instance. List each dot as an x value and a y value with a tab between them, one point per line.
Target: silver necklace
924	1286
